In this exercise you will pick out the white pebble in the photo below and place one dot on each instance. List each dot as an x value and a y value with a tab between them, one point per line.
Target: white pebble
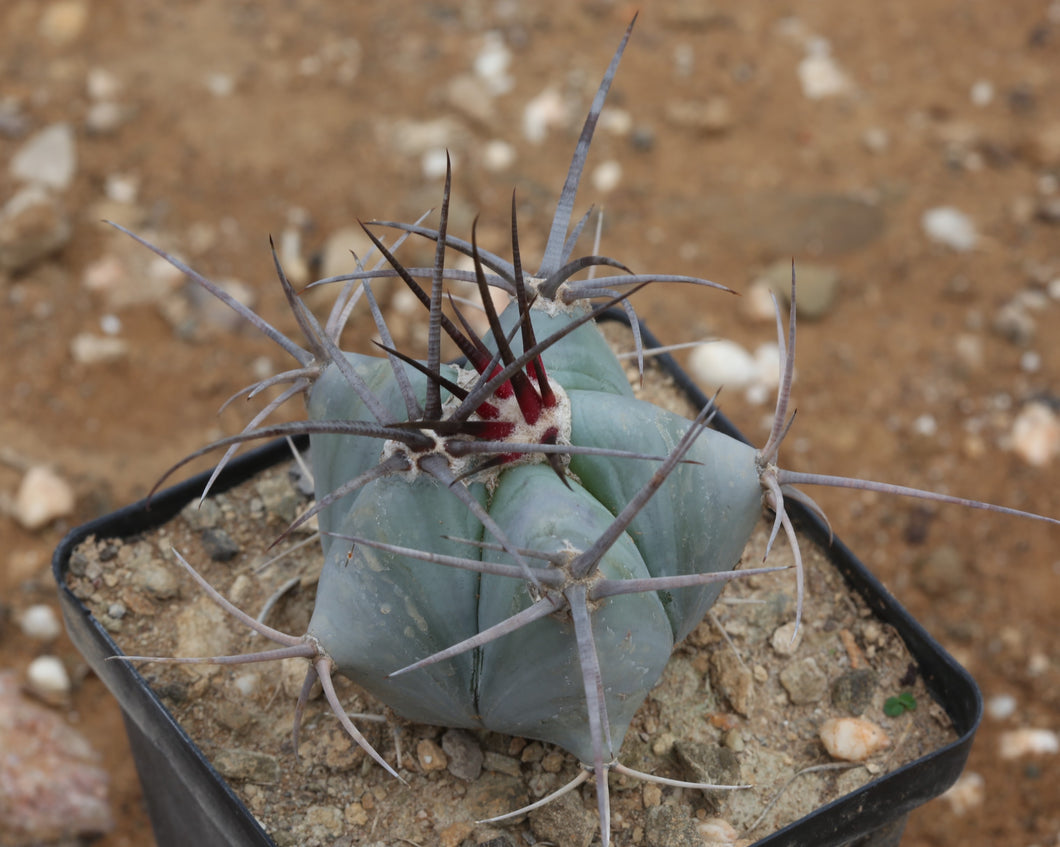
949	226
42	497
541	114
89	349
498	155
925	425
982	92
48	158
852	739
491	63
110	324
40	623
1035	435
606	176
121	188
47	677
433	163
767	360
966	793
101	84
247	683
220	84
1028	742
821	77
782	641
876	139
723	363
1001	706
1030	362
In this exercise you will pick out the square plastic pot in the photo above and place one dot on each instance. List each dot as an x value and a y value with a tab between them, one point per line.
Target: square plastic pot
190	803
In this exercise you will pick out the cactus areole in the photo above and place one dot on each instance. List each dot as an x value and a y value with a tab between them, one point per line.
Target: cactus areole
517	543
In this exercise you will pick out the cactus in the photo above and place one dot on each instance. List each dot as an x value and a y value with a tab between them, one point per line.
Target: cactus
516	543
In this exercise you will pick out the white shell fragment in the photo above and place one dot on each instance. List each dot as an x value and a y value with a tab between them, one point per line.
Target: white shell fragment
1028	742
852	739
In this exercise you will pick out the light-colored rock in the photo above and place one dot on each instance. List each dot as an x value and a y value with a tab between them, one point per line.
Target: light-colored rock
1001	706
815	293
544	112
492	62
430	756
966	793
950	227
498	155
40	623
606	176
51	785
46	677
723	363
47	158
820	76
86	348
63	21
1035	435
33	226
43	496
852	739
1028	741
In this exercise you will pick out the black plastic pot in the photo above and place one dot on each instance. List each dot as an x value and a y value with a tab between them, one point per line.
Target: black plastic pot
189	802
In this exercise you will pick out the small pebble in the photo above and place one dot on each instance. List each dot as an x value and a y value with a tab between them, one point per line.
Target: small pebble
47	158
820	77
53	789
492	62
852	739
1028	742
966	793
219	545
89	349
47	678
43	496
33	226
498	155
723	363
606	176
717	832
40	623
951	227
465	755
63	21
804	681
783	642
543	113
1035	435
433	163
981	93
431	757
1001	706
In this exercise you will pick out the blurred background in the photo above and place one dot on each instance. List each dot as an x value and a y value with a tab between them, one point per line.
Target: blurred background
906	154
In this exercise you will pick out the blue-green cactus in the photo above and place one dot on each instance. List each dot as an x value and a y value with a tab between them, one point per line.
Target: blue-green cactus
516	543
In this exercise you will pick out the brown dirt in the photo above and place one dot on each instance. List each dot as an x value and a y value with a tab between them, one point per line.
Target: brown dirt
707	204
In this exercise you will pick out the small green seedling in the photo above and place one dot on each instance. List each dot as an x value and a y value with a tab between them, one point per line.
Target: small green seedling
895	707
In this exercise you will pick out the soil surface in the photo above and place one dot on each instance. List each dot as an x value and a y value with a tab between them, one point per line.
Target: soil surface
206	126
